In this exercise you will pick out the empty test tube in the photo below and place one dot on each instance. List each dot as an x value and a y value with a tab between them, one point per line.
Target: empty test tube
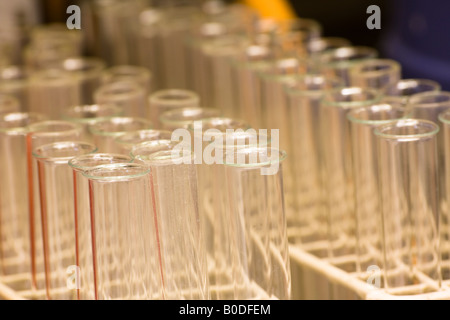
337	160
366	177
183	118
87	115
175	200
259	214
106	131
338	62
87	289
375	73
409	188
172	99
88	73
56	195
402	90
128	95
127	262
53	91
308	217
14	219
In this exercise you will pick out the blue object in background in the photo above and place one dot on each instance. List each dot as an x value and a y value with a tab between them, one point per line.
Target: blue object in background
419	38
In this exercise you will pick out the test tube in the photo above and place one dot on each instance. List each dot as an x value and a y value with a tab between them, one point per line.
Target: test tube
148	37
88	72
87	115
245	73
128	95
217	55
404	89
444	119
127	141
14	220
366	177
375	73
173	34
259	214
140	75
41	55
428	106
127	260
52	91
56	201
87	289
174	193
106	131
8	104
14	81
338	62
307	219
183	118
39	134
172	99
337	160
409	188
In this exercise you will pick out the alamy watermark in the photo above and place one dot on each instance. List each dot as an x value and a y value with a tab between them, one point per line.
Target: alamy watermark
374	21
74	20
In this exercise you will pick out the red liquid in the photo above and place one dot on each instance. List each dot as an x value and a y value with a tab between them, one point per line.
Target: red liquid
94	248
31	210
43	201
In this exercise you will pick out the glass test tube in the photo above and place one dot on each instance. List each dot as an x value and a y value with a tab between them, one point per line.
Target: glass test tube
245	73
126	246
444	119
88	72
338	62
337	160
52	91
375	73
56	195
226	244
363	121
409	189
148	37
8	104
217	57
173	33
175	199
48	53
428	106
183	118
127	141
402	90
197	69
128	95
39	134
106	131
14	220
307	221
87	289
140	75
259	214
87	115
14	81
172	99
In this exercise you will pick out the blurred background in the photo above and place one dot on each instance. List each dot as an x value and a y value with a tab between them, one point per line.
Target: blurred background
413	32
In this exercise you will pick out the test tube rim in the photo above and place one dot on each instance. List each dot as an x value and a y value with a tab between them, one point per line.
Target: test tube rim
189	98
74	128
78	167
23	115
392	66
393	106
94	127
377	96
67	117
410	137
281	158
89	147
90	174
414	100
